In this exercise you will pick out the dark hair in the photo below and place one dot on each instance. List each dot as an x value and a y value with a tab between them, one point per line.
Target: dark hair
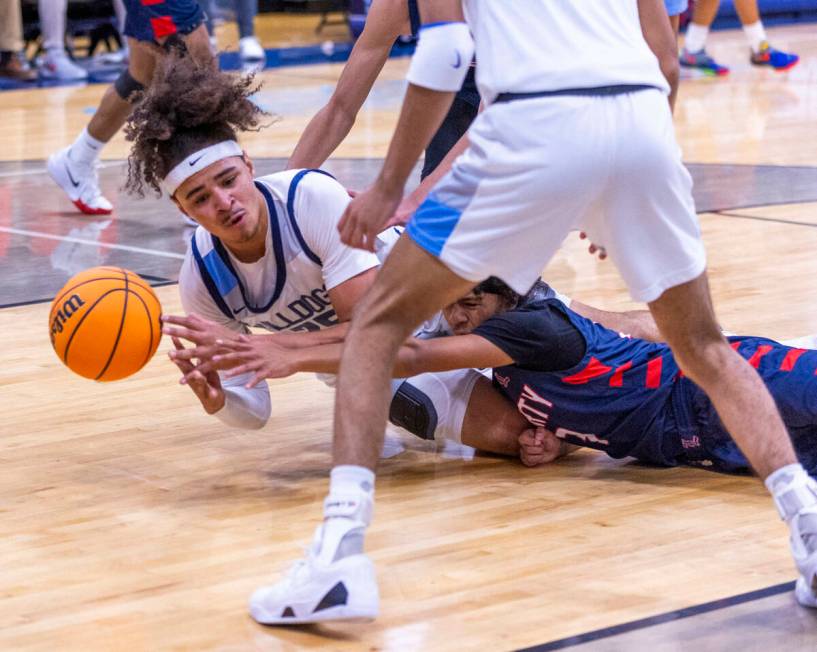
187	107
494	285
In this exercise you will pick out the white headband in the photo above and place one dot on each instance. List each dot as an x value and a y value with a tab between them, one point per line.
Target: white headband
197	161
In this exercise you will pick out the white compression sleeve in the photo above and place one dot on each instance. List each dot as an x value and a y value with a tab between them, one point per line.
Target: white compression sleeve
248	409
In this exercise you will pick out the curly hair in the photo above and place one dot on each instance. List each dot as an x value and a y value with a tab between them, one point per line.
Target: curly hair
187	107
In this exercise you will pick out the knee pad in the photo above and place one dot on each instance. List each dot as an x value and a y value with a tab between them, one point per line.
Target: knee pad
125	86
432	405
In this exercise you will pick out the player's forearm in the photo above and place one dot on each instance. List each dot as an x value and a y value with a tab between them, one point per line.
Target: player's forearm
412	359
321	137
419	194
635	323
303	339
422	114
660	38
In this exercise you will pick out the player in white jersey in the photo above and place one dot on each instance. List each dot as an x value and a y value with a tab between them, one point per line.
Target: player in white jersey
578	133
267	252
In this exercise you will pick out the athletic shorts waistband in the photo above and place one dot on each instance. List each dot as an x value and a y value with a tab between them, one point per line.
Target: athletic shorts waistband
598	91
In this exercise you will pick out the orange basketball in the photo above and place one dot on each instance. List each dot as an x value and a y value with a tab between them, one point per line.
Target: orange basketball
104	323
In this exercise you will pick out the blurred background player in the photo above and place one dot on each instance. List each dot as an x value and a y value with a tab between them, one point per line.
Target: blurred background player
55	63
12	64
249	48
385	22
150	29
694	53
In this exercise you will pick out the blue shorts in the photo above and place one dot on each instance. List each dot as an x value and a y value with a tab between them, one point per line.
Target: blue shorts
676	7
151	20
788	373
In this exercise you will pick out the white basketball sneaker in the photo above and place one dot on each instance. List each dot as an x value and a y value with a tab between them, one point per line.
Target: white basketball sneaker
80	182
314	591
56	65
249	49
804	549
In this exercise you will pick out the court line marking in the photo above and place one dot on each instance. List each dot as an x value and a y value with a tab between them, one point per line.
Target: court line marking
660	619
759	218
19	173
95	243
34	302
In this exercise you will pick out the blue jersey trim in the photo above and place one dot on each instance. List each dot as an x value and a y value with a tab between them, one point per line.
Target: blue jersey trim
293	187
224	266
432	224
414	17
208	280
221	276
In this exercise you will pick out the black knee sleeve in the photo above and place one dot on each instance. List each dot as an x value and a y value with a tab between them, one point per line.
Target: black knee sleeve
413	410
125	86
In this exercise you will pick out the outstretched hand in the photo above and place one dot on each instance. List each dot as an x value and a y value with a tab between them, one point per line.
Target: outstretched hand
205	385
259	355
538	446
202	333
366	216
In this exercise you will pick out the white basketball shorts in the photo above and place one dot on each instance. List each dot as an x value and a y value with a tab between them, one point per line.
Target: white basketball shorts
538	168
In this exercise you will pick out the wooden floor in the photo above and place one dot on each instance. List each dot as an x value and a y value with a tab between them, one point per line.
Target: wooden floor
129	520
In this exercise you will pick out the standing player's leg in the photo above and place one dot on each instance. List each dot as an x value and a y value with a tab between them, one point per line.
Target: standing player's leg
685	317
674	9
341	581
662	260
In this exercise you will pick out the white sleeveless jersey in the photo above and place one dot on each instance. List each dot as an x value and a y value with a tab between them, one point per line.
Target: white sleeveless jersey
525	46
287	288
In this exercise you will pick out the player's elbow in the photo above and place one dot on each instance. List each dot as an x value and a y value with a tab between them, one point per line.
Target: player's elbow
410	360
341	114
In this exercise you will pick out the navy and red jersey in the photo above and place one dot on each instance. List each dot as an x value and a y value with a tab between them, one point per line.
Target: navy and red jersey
627	396
151	20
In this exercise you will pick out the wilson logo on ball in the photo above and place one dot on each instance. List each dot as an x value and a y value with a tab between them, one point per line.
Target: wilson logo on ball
64	313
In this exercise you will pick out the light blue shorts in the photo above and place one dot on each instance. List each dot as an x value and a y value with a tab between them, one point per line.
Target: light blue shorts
676	7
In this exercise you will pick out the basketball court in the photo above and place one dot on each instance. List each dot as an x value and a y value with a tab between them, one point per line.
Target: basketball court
133	521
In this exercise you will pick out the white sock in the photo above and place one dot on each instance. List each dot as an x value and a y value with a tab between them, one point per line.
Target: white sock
85	149
792	489
695	39
347	511
756	35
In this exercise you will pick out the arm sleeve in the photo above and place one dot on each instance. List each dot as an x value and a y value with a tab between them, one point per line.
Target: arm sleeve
248	409
319	204
538	337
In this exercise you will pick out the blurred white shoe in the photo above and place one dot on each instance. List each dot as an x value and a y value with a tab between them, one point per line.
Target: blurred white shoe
116	57
80	183
250	49
56	65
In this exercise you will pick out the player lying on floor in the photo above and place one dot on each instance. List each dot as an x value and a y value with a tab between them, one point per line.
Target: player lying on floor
587	384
